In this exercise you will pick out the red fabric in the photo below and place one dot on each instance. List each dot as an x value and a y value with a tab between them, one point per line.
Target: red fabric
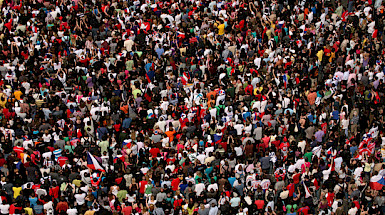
296	178
9	25
330	199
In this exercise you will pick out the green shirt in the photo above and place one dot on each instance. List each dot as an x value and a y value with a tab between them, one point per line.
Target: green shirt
122	195
129	65
136	92
308	155
69	148
103	146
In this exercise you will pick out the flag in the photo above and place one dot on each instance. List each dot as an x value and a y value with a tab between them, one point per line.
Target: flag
119	157
150	76
9	24
285	80
374	132
304	210
377	182
330	152
92	163
185	78
180	35
291	189
317	151
349	140
307	191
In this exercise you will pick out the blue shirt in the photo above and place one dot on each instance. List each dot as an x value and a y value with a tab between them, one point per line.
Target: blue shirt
353	149
147	67
159	52
336	115
231	180
32	202
126	122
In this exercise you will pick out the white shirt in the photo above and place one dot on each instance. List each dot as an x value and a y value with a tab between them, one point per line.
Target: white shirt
353	211
199	188
238	151
239	128
80	198
4	209
201	158
48	205
72	211
212	186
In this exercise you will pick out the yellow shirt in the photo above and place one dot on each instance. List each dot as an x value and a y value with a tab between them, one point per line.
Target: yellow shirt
2	103
28	211
18	94
16	191
320	55
76	182
221	29
89	213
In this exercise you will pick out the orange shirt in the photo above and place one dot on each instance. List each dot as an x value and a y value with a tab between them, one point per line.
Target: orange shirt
124	109
311	98
18	94
212	93
170	134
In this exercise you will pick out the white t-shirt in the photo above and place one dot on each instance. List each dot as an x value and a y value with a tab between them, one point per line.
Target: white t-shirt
48	205
238	151
72	211
353	211
239	128
4	209
199	188
80	198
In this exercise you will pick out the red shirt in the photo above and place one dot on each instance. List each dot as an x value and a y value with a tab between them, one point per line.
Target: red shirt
14	210
62	160
175	184
249	90
178	202
2	161
296	178
117	127
62	206
54	192
260	204
142	185
127	210
18	150
154	152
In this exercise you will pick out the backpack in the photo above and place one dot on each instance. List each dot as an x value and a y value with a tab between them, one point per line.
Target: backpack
270	194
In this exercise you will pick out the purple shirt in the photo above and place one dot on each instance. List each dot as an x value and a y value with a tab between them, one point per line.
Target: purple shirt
318	135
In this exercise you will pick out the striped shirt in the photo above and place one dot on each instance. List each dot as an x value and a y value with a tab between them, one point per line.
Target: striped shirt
57	153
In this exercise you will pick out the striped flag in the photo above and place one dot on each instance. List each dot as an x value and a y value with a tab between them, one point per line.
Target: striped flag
285	80
92	163
307	191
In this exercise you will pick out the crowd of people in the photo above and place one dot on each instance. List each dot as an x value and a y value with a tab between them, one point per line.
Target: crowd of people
192	107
